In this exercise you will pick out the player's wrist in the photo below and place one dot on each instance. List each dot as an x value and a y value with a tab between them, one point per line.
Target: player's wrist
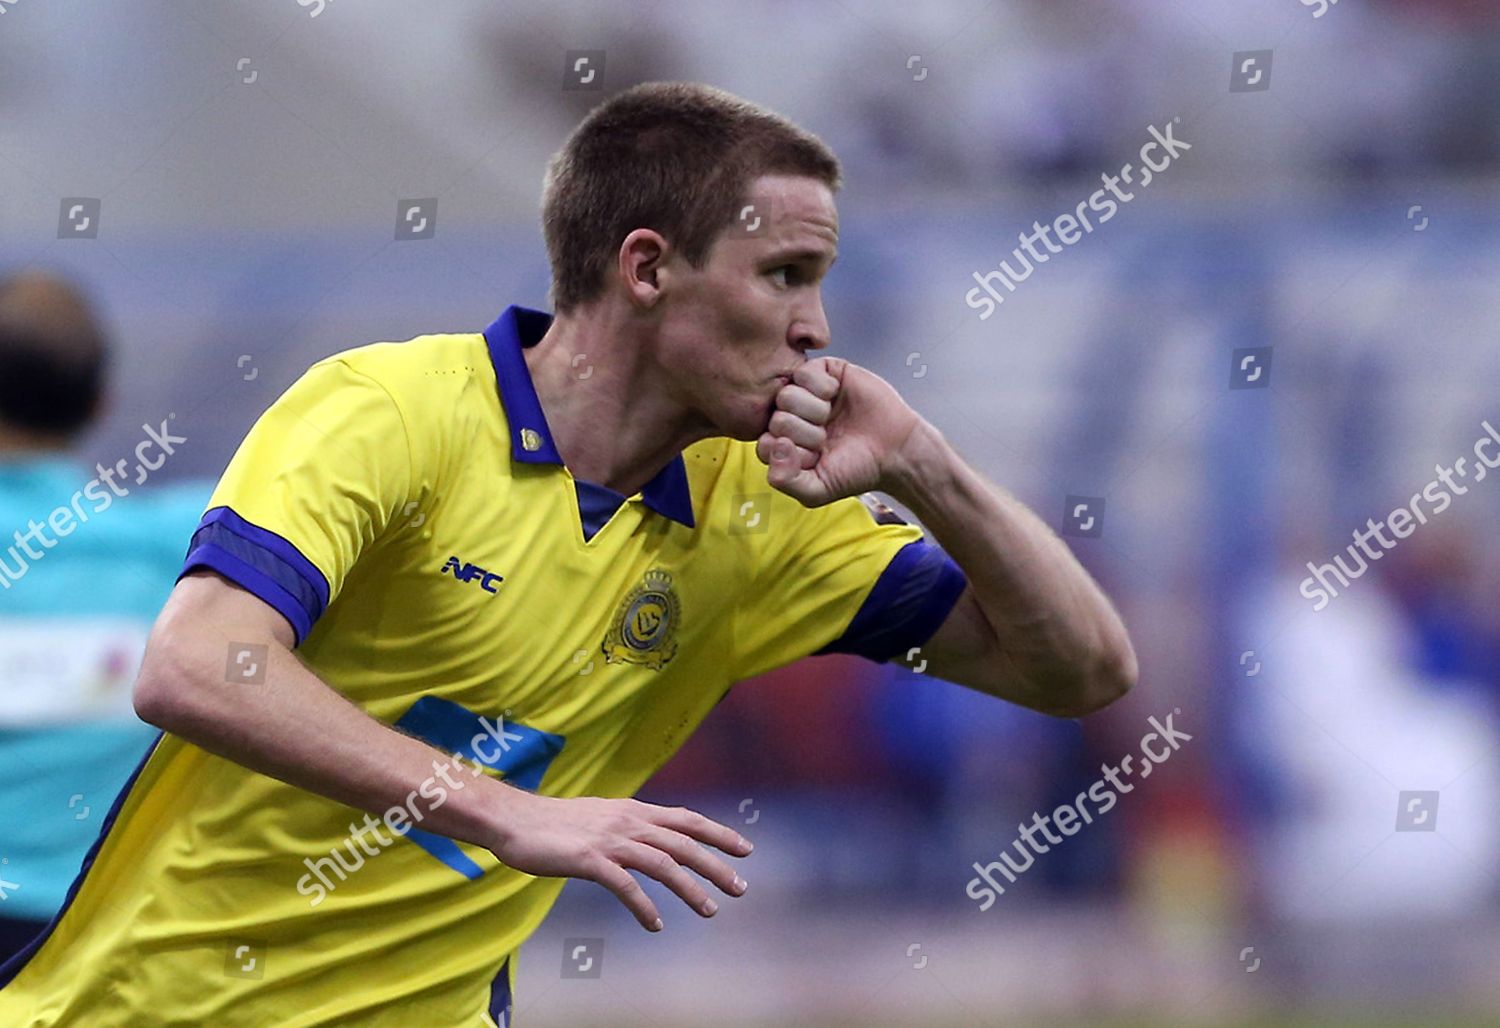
911	470
504	810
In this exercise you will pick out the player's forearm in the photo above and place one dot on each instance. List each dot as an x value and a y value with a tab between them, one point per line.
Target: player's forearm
1052	623
294	727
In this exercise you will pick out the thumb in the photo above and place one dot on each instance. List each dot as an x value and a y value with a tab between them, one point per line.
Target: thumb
784	465
786	474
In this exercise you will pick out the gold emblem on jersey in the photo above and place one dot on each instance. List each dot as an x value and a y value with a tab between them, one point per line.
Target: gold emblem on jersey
645	626
531	440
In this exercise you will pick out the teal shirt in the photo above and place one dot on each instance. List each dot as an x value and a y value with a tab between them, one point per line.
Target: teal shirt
74	617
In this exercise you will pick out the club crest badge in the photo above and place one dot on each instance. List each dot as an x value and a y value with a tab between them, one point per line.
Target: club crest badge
644	630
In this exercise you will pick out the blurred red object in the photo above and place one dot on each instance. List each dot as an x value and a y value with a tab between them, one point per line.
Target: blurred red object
806	725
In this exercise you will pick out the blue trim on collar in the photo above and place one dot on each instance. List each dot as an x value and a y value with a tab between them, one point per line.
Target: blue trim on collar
596	505
667	493
516	328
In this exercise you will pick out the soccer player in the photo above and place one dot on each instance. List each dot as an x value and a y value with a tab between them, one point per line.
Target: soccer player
455	599
86	560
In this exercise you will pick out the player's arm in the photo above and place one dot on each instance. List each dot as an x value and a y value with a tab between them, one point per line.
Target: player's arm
289	724
1031	626
296	728
321	477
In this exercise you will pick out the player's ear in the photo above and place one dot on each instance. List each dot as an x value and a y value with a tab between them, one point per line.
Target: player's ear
641	258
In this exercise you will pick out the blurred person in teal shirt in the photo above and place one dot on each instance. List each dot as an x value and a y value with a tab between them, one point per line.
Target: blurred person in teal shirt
88	556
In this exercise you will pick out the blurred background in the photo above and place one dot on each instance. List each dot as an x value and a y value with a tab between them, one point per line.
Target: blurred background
224	180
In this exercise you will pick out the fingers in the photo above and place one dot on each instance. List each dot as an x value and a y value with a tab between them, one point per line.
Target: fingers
791	469
806	458
816	377
783	474
695	826
673	834
800	431
664	847
799	418
795	399
689	854
661	866
620	882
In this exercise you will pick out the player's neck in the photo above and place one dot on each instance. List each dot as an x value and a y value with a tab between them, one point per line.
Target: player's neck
605	405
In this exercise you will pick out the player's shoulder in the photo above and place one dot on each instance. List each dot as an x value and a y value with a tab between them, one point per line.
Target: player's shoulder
433	379
422	362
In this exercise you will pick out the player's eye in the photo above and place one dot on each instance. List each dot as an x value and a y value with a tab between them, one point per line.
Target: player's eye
784	275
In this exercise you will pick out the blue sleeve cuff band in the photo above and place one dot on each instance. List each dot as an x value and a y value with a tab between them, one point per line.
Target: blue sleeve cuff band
911	599
263	563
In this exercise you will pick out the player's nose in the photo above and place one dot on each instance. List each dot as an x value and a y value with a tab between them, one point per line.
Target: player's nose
809	330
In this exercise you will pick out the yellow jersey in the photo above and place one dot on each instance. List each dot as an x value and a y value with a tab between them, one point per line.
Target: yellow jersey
404	507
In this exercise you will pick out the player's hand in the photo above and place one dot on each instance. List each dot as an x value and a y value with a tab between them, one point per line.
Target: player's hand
602	840
837	431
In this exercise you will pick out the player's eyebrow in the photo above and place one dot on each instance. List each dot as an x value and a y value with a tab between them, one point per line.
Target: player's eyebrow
803	254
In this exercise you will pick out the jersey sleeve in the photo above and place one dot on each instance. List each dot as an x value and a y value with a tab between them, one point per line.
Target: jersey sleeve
314	483
848	577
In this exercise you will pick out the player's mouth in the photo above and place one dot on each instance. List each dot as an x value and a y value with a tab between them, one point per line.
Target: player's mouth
778	383
786	376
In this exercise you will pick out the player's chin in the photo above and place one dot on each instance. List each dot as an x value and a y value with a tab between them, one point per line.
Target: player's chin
748	424
747	432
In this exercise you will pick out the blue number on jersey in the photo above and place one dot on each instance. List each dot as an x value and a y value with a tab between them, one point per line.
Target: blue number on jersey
523	757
